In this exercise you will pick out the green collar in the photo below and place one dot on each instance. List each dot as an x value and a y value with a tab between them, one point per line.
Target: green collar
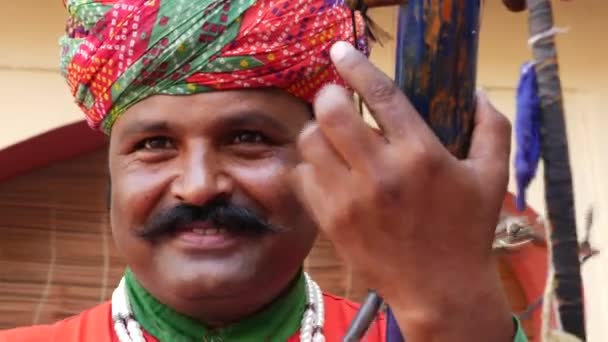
276	323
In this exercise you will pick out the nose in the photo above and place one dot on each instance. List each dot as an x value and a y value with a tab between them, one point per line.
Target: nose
201	178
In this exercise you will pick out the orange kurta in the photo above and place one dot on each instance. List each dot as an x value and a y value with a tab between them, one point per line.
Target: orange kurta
95	325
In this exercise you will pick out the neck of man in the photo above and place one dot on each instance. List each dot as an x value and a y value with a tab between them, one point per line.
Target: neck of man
280	314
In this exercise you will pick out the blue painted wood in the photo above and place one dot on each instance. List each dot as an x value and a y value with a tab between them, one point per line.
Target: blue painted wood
437	42
436	63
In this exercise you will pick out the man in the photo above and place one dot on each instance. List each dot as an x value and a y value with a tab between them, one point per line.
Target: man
217	194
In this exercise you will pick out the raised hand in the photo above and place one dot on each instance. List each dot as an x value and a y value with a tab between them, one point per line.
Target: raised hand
416	223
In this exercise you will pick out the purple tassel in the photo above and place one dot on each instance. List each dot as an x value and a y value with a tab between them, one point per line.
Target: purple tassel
393	333
527	132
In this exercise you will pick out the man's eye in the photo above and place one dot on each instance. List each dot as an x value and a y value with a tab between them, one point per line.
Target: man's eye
249	137
155	143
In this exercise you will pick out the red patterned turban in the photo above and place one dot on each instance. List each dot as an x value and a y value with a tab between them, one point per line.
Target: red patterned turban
118	52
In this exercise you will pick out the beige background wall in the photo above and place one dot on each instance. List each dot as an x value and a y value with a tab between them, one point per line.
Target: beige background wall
33	96
34	99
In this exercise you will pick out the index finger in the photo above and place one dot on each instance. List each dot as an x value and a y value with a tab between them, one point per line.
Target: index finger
389	106
491	137
490	145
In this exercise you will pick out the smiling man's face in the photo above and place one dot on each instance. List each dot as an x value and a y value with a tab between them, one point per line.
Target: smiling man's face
235	147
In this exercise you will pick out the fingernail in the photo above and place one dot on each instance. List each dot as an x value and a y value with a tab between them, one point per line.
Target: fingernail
482	95
330	99
320	93
324	89
339	50
308	129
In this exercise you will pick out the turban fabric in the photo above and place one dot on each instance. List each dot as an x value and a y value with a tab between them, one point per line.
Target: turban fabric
116	53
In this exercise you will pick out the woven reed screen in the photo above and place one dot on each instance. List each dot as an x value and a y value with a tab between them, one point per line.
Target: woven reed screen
57	256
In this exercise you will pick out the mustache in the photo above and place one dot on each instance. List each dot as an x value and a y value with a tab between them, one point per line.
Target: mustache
221	214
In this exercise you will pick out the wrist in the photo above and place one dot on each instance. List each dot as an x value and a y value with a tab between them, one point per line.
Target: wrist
472	310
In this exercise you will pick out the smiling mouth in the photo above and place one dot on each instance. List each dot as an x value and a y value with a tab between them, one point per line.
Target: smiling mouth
204	237
208	231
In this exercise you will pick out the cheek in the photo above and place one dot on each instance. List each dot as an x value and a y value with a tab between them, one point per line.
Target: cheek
267	184
135	194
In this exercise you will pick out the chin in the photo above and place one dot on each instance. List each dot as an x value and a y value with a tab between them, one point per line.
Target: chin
213	282
207	277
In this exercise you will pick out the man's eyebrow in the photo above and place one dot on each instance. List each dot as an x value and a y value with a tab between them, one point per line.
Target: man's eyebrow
253	117
143	126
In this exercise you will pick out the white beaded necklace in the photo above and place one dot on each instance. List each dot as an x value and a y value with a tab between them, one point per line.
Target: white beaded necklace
311	329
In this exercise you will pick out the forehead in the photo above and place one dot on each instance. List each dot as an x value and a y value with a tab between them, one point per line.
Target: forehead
213	107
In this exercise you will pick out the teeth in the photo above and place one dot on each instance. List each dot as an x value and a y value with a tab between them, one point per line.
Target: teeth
210	231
